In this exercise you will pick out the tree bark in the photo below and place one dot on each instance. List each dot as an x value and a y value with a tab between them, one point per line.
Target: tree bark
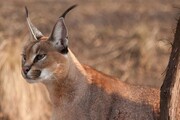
169	101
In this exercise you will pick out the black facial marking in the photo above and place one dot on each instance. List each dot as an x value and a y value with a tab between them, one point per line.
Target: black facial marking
39	57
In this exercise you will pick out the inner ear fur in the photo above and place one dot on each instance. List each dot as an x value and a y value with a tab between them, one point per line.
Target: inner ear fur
59	36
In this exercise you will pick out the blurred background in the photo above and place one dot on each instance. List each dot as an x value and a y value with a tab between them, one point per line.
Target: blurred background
129	39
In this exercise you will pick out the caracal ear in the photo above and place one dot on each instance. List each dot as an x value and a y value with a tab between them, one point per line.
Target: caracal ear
59	36
34	32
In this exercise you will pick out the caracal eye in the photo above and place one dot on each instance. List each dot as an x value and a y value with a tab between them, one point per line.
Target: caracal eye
39	57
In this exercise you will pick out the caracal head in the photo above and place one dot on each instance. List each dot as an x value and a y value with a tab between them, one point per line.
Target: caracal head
45	58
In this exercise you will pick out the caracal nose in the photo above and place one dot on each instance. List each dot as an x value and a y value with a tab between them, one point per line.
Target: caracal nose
26	69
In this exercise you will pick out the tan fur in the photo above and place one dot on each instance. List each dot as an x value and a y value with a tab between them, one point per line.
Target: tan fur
79	92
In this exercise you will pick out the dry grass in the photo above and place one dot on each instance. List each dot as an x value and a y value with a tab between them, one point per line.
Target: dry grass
127	39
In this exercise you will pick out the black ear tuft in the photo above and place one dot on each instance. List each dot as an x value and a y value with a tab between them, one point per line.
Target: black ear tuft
69	9
27	13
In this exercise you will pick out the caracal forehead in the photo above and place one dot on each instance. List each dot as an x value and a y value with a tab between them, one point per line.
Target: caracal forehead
37	46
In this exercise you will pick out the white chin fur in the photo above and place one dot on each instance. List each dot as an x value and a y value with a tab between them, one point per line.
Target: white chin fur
45	75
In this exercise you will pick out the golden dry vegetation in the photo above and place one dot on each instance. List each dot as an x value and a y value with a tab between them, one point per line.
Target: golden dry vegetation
128	39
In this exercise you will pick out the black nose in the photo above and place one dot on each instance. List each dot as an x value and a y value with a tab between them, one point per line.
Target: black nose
26	69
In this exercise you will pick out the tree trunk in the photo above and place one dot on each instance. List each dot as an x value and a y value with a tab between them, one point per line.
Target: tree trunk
171	85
